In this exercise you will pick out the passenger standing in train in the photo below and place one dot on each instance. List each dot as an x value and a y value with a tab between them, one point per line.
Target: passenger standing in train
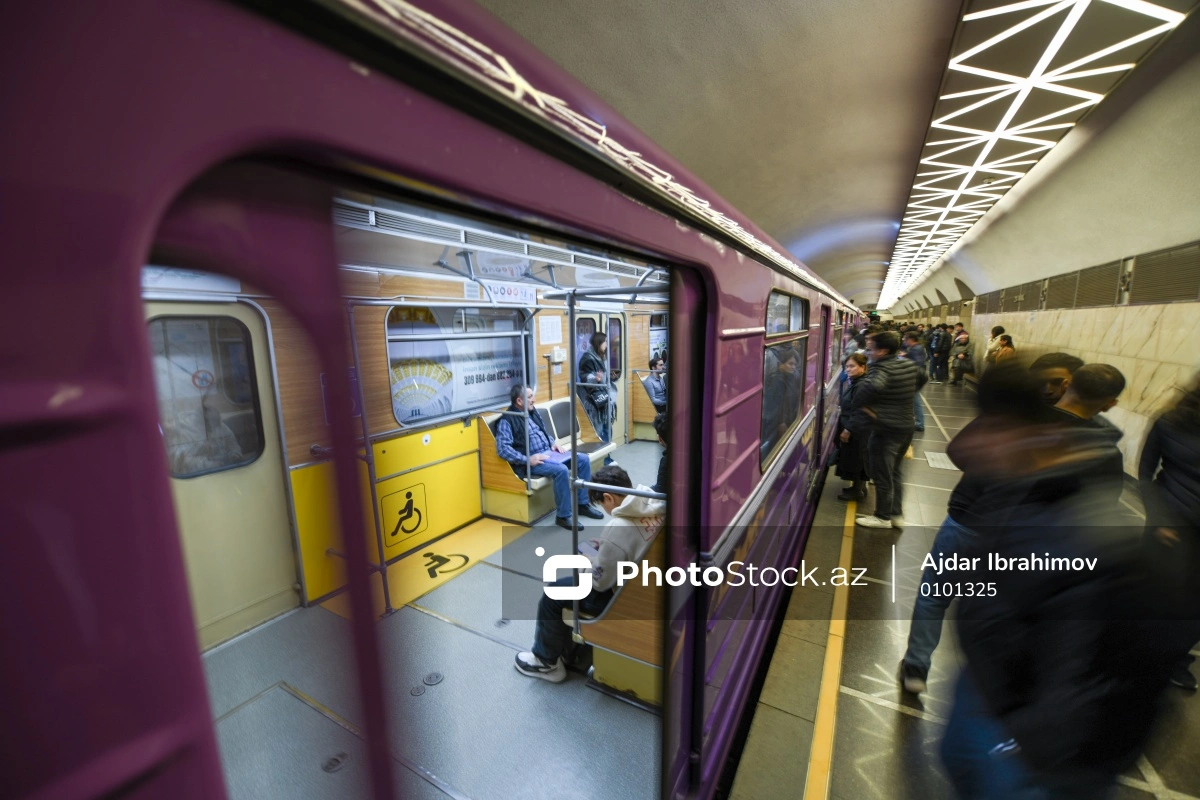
1169	474
993	345
887	395
962	356
511	438
656	386
660	428
914	351
1063	676
599	404
855	429
1054	371
628	535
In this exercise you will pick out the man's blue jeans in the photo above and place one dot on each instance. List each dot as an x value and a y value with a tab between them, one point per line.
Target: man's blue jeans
561	475
552	637
930	608
919	411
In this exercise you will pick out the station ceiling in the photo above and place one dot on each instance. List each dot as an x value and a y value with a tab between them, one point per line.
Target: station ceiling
812	117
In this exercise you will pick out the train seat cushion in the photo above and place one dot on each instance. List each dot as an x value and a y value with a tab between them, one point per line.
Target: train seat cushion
559	412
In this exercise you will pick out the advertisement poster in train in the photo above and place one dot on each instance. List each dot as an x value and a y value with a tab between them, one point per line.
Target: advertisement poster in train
436	377
658	343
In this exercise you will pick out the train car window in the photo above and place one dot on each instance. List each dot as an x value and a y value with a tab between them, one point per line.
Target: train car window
614	348
435	374
584	328
783	392
786	314
208	407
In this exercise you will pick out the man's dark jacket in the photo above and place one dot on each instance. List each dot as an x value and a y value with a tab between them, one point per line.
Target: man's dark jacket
887	392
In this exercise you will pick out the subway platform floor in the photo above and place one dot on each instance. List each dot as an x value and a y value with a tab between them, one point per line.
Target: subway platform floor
832	720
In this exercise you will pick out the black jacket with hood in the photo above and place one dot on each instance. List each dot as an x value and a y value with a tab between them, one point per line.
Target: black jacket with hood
887	391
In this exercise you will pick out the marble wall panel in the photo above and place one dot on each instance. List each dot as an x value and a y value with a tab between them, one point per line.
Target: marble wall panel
1156	347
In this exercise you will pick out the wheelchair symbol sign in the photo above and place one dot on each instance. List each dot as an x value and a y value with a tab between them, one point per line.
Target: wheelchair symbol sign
404	514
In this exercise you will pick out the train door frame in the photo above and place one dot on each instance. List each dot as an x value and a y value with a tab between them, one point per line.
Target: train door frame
278	508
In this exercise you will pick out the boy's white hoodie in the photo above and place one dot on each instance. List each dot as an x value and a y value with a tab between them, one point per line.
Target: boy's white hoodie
627	536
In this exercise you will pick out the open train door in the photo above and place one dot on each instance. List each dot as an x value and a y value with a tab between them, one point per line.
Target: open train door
217	413
613	324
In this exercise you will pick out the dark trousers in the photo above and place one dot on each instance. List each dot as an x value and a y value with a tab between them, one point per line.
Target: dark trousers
940	367
885	459
551	636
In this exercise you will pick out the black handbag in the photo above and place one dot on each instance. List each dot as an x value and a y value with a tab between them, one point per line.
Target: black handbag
600	398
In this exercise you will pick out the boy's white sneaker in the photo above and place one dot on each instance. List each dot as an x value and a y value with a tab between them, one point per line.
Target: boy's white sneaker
529	664
873	522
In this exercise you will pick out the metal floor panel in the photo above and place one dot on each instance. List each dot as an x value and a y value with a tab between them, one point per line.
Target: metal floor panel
491	732
310	648
276	746
475	600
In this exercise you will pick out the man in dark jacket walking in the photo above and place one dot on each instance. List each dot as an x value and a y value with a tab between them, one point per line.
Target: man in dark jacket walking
887	395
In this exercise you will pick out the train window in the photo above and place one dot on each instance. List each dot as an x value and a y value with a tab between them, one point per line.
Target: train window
208	407
614	348
786	314
783	392
451	361
584	328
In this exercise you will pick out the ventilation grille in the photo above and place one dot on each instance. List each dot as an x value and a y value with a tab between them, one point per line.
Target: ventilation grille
1060	292
1008	299
351	215
501	243
588	261
417	227
1098	285
622	269
1031	296
1167	276
550	253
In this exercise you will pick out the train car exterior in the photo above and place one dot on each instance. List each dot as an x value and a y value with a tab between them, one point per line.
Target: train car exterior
207	135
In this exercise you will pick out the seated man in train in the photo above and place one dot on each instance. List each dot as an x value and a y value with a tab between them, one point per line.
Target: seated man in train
545	459
656	386
627	536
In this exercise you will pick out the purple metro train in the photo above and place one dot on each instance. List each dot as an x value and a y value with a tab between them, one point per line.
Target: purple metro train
205	134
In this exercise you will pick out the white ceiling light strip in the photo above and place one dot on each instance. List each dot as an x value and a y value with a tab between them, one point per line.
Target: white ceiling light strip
966	179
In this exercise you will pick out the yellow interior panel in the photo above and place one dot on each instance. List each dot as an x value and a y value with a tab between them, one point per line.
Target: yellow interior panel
426	447
626	675
318	529
426	503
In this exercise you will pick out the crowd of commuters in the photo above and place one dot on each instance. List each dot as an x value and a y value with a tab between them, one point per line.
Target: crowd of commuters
1068	657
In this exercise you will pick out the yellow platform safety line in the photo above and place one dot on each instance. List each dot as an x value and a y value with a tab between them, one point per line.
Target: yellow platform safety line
820	760
432	565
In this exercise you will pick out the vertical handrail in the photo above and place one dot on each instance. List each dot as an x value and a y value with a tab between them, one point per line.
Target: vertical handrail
575	377
369	457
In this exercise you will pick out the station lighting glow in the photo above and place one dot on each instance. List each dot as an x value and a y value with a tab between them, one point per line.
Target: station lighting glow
976	149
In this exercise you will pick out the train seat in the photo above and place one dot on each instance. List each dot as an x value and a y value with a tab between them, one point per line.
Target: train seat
504	493
627	637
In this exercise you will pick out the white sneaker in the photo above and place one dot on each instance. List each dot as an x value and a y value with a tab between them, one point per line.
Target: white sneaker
873	522
529	664
898	523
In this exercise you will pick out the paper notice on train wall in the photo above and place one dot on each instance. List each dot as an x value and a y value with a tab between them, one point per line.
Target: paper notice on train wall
550	329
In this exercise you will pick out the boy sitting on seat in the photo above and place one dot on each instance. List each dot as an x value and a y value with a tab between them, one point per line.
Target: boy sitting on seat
628	535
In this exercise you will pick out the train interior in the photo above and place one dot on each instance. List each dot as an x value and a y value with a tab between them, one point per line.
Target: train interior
445	316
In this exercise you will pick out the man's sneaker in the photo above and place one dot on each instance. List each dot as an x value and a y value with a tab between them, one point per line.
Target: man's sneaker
911	678
565	522
529	664
935	381
873	522
898	523
1184	679
589	511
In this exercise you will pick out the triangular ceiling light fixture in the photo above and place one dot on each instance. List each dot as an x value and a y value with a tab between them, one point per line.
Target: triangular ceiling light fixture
1022	75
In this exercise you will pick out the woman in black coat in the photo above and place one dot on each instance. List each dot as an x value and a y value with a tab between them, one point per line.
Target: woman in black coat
854	428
